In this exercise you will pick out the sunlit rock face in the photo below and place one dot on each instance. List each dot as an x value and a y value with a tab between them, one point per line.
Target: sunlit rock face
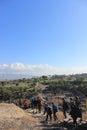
14	118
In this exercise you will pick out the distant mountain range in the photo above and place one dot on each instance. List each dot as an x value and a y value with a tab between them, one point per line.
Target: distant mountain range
13	76
9	76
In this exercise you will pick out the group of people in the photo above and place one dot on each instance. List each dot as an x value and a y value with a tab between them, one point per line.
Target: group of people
22	103
73	108
49	110
37	104
70	106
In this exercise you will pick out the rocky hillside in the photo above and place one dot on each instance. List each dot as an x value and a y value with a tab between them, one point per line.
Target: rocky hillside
14	118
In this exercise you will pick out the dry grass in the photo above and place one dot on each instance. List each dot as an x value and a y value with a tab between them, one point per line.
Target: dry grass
84	115
60	116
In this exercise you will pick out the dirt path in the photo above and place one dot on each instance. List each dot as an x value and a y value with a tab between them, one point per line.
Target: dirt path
14	118
60	124
49	125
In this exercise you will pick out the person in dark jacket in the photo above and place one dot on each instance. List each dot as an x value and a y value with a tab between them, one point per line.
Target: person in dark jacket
65	107
49	113
76	110
75	113
55	110
45	105
39	104
35	104
71	103
77	103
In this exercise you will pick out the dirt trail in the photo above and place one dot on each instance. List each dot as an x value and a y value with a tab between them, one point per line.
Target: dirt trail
60	124
14	118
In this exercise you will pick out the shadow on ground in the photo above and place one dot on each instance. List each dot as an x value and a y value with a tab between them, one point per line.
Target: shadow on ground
63	126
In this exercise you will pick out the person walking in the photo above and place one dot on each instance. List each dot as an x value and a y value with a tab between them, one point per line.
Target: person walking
77	103
39	103
45	105
71	103
48	113
55	110
65	107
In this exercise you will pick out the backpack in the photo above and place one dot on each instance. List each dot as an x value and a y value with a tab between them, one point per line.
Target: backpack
49	110
66	106
40	102
55	108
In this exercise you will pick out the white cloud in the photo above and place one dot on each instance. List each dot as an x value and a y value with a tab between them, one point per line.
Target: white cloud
4	66
38	70
17	66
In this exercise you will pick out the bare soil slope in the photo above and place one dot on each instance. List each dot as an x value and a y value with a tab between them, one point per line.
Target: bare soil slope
14	118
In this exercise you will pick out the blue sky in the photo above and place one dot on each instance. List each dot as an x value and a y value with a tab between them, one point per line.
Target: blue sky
43	34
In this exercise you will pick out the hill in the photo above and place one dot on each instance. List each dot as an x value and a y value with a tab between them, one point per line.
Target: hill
14	118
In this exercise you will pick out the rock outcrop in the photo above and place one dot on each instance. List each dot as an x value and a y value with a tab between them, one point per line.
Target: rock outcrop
14	118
